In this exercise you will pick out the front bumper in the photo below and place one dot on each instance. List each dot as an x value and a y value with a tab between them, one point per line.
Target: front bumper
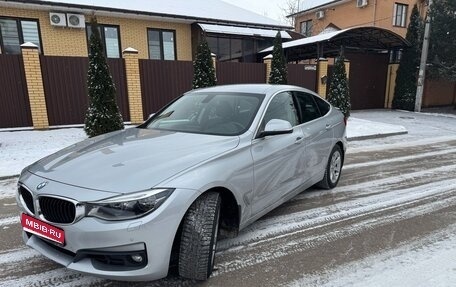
152	235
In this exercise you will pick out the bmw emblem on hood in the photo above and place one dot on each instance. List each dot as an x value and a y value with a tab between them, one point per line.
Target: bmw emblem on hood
41	185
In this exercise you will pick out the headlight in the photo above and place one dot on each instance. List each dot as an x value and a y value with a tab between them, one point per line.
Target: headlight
128	206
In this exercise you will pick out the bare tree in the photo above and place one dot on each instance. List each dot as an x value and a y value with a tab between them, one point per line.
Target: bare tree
288	8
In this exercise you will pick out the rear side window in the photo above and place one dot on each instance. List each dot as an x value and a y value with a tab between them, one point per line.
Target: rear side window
322	105
308	108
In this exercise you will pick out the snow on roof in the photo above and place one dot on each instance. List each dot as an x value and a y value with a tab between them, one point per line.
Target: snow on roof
242	31
310	4
213	10
308	40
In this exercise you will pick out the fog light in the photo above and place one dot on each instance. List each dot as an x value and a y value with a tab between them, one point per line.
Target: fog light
137	258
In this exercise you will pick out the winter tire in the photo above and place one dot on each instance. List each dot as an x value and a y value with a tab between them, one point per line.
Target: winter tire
333	169
199	237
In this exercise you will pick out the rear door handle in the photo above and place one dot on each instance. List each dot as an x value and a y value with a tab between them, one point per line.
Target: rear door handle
328	126
299	140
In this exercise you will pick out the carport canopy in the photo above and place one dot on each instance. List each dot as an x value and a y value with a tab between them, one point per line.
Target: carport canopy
364	39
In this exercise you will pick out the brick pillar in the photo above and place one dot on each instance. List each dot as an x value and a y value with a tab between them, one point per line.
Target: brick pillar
268	61
34	79
322	72
133	85
347	68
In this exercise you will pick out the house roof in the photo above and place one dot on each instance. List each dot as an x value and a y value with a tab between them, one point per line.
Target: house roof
308	5
213	11
328	44
210	28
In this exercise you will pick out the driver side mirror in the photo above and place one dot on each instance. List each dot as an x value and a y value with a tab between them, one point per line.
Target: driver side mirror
276	127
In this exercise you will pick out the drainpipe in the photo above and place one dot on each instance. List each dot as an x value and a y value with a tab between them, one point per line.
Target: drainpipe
375	13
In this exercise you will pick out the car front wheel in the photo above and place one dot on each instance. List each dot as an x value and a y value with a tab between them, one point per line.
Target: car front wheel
199	237
333	169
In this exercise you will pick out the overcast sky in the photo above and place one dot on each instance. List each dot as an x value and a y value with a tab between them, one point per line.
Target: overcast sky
269	8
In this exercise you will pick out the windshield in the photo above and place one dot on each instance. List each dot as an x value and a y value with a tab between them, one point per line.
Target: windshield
209	113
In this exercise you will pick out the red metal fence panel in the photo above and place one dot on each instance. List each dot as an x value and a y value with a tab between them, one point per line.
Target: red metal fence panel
65	86
240	73
163	81
14	99
303	75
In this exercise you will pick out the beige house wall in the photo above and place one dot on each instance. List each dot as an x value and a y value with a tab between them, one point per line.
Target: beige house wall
377	13
59	41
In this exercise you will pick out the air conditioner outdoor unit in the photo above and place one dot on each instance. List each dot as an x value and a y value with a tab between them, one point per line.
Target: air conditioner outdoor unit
361	3
76	20
58	19
320	14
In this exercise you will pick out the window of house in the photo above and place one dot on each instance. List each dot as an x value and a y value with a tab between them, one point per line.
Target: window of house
110	38
306	28
237	49
400	15
162	44
15	32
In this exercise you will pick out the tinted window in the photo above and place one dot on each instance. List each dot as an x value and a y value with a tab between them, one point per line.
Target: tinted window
322	105
209	113
281	107
307	106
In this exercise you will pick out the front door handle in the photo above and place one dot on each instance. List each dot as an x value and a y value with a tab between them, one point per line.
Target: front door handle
328	126
299	140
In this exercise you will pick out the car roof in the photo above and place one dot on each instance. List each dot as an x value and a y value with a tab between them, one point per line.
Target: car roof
251	88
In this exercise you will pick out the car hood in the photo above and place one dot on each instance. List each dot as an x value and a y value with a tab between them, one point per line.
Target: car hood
131	160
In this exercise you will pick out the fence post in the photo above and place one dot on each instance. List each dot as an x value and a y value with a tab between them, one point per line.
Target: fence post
130	56
34	79
347	68
322	76
214	62
268	61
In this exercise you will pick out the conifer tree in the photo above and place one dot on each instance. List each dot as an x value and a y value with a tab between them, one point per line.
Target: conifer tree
407	73
442	53
103	114
278	74
339	91
204	72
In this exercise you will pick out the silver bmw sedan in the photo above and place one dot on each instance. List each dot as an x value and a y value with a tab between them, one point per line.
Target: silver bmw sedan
127	204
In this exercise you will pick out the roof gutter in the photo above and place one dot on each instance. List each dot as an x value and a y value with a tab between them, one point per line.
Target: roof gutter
152	14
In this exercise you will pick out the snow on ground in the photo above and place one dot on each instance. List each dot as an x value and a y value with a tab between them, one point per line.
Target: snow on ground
402	266
359	128
21	148
420	126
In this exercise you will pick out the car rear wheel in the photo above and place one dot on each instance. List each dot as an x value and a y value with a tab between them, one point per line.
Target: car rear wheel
199	237
333	169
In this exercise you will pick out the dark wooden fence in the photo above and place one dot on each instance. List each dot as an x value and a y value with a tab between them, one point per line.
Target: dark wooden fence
240	73
14	99
163	81
65	87
303	76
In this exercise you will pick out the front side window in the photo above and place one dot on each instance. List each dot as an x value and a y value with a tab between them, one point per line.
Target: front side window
225	114
162	44
281	107
400	15
306	28
109	37
15	32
